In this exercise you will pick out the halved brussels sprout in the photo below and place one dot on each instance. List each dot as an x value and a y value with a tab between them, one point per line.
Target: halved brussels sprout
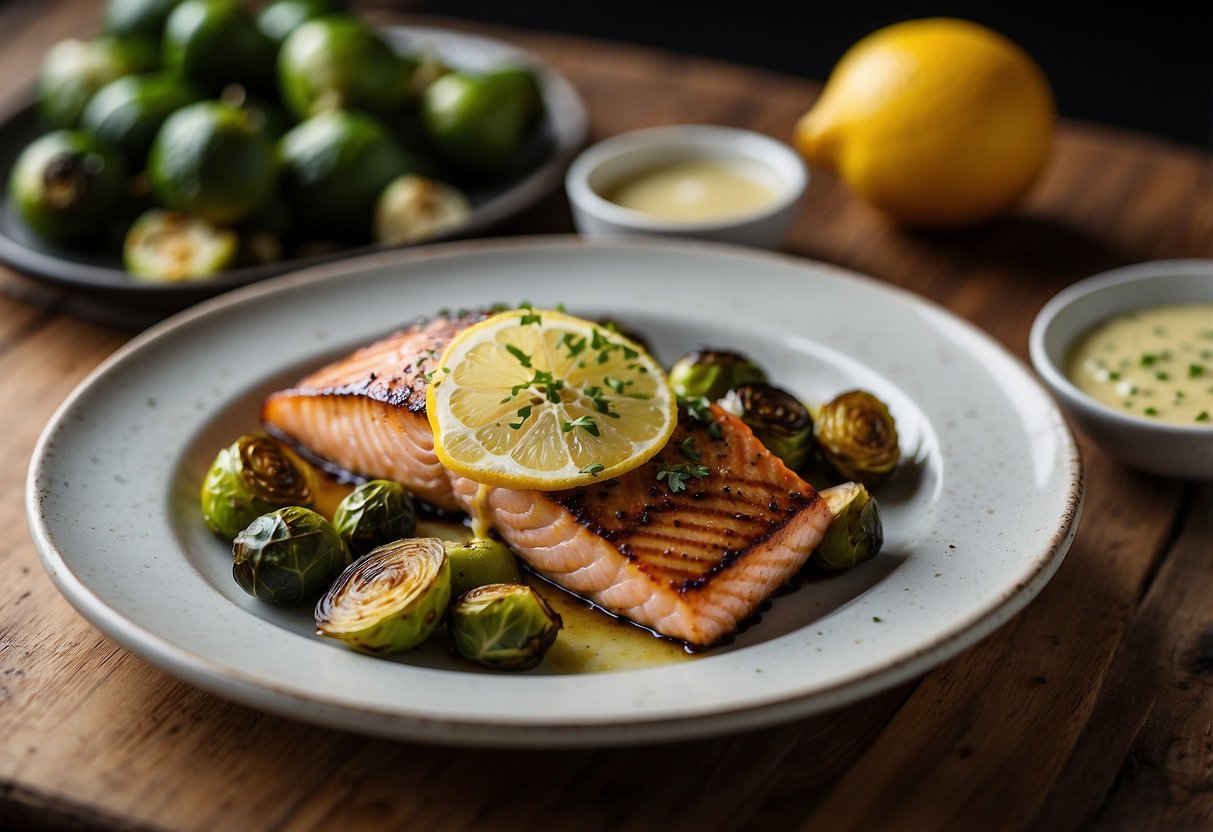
288	555
414	207
505	626
480	561
858	437
251	477
375	513
712	373
391	600
777	418
171	247
856	533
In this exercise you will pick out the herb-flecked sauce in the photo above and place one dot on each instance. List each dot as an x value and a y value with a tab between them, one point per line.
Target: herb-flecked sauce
1152	363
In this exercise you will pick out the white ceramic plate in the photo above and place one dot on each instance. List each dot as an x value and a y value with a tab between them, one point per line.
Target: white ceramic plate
977	519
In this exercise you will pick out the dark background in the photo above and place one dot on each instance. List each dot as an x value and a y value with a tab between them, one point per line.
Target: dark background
1143	66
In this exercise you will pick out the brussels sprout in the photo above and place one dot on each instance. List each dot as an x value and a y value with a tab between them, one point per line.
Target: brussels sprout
777	418
337	62
712	373
66	185
172	247
279	18
217	42
471	124
137	17
375	513
413	208
73	70
521	83
254	475
391	600
858	437
480	561
856	534
288	555
127	113
506	626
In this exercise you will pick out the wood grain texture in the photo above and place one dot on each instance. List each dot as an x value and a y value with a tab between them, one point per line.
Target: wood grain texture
1089	709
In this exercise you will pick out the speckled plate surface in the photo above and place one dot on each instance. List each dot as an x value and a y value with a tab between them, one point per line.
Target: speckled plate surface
977	518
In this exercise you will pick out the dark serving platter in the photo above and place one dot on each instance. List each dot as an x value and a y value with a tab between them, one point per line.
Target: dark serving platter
96	277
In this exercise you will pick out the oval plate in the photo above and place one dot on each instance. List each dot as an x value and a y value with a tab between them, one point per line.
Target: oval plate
977	518
100	274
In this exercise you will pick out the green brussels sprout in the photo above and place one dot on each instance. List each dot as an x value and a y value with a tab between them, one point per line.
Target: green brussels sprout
856	533
73	70
66	186
288	555
253	476
521	83
137	17
215	43
171	247
712	373
391	600
471	124
481	561
414	208
777	418
127	113
504	626
375	513
857	436
279	18
339	63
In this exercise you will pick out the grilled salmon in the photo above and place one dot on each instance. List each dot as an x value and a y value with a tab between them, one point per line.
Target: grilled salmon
690	563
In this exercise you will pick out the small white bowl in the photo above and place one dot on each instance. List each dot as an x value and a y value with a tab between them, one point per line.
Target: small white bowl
1155	447
609	162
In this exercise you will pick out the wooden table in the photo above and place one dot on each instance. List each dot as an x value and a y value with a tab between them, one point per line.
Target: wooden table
1092	708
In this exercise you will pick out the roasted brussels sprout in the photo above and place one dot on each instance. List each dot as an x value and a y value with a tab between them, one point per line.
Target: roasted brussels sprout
337	62
712	373
391	600
73	70
856	533
414	208
253	476
481	561
506	626
777	418
472	124
172	247
375	513
288	555
857	436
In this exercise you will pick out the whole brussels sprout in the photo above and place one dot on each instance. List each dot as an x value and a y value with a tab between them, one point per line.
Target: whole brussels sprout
856	533
479	562
712	373
375	513
253	476
777	418
288	555
505	626
73	70
391	600
858	437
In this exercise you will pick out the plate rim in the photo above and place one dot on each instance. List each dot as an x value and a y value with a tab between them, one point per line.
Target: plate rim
87	279
233	684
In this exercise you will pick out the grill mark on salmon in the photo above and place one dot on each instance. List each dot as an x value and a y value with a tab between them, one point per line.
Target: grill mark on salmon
690	565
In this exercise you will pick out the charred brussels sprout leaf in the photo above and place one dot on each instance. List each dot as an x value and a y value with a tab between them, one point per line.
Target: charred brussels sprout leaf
479	562
505	626
712	373
856	533
858	437
253	476
375	513
391	600
777	418
288	555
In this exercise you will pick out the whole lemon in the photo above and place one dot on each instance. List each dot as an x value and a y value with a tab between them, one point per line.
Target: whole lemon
940	123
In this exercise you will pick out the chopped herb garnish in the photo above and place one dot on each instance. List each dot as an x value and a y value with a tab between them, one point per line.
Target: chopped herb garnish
593	469
616	384
1162	375
687	447
531	318
1150	411
1203	416
676	476
1114	376
1195	370
523	358
574	344
586	423
1148	359
524	413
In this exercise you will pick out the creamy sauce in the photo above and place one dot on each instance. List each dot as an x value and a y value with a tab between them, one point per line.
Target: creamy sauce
694	189
1154	363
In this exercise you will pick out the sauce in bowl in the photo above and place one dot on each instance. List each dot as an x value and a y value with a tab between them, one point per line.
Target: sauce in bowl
694	189
1153	363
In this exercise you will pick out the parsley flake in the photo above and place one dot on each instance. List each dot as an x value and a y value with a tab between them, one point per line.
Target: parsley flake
676	476
523	358
687	447
593	469
586	423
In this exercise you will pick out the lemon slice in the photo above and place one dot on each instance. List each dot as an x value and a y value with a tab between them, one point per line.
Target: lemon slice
543	400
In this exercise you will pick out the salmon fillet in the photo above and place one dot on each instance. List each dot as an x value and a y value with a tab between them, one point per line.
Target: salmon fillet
690	564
